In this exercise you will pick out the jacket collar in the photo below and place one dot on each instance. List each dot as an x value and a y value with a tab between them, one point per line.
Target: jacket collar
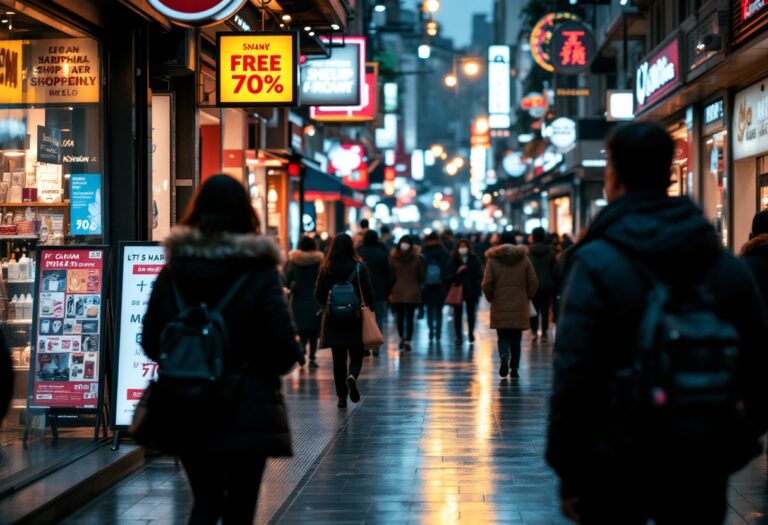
506	253
185	242
757	244
302	258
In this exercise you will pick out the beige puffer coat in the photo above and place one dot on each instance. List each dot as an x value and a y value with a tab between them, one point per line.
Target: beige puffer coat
509	282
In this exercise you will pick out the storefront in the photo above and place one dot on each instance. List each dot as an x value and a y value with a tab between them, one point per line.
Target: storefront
714	166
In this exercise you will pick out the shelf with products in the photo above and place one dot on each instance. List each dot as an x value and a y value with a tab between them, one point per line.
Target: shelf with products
34	204
23	281
22	322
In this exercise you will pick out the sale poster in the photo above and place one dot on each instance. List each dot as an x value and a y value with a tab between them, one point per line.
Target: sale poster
68	326
85	203
140	263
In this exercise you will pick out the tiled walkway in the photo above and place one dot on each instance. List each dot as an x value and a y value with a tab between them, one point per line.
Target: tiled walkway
439	438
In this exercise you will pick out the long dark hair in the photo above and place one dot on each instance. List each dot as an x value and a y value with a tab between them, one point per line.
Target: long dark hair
341	251
222	205
463	242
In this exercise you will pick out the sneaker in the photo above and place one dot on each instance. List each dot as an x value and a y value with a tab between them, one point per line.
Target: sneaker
401	345
513	374
471	338
354	393
342	402
504	367
407	347
313	365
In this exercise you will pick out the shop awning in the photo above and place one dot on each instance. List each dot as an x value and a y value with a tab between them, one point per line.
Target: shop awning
351	197
321	186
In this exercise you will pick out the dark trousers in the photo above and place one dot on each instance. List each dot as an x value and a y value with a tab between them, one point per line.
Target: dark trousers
225	486
340	368
404	314
542	302
458	314
380	310
509	345
309	337
435	317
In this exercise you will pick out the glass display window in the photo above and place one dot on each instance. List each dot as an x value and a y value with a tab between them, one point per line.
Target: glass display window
681	183
715	183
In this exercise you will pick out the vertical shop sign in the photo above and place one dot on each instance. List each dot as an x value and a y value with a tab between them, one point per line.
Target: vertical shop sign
338	80
138	267
11	89
257	69
67	366
64	71
499	105
48	145
161	164
85	203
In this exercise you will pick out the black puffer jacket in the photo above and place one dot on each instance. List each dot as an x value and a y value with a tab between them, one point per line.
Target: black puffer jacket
300	277
755	254
471	278
435	293
261	332
544	261
602	305
377	263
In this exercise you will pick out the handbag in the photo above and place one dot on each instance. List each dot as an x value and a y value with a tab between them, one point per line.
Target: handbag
455	295
144	428
532	310
372	336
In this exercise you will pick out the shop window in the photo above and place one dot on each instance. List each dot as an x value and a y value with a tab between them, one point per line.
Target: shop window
715	184
762	183
681	183
561	215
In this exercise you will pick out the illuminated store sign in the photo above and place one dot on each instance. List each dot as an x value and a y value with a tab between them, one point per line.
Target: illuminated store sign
658	75
750	136
335	81
713	112
750	8
541	37
365	111
573	48
498	87
197	13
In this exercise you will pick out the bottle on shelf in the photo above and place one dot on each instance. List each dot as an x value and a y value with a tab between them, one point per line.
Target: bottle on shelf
28	306
24	267
13	269
13	308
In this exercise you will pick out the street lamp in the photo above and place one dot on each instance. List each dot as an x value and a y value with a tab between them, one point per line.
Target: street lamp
436	150
431	6
424	51
451	80
432	28
471	68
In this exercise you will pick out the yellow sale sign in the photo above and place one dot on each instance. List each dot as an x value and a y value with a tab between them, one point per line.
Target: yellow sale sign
257	69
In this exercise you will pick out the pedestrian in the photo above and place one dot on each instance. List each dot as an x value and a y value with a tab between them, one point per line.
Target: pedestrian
659	387
544	261
342	265
217	243
387	239
301	275
449	240
567	241
509	284
436	259
377	263
360	233
755	252
408	273
6	377
464	269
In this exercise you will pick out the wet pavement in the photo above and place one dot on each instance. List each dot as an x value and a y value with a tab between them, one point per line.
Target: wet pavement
438	438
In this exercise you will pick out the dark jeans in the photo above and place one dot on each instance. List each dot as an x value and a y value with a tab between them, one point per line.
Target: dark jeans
225	485
458	314
309	337
435	317
509	345
404	314
542	302
340	369
380	310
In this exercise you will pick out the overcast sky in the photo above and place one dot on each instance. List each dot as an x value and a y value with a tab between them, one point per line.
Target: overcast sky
455	18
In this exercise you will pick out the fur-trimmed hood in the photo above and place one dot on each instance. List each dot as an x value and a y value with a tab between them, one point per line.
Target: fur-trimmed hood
185	242
756	245
506	253
302	258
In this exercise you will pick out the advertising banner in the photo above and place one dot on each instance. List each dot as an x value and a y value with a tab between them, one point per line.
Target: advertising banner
365	111
750	122
67	367
499	105
48	145
658	75
64	70
138	267
257	69
162	165
85	203
338	80
11	91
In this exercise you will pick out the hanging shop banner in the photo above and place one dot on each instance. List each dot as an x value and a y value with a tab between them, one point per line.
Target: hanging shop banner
335	81
11	90
67	369
63	70
257	69
658	75
365	111
750	120
573	48
85	203
138	267
541	37
499	105
197	13
535	104
48	145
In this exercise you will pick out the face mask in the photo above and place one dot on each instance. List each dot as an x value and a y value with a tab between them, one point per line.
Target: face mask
463	251
405	247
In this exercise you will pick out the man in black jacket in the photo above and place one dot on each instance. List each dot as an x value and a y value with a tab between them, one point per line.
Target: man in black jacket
610	472
755	251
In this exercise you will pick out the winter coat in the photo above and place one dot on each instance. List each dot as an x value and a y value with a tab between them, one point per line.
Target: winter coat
408	270
603	303
377	264
509	283
471	278
6	377
755	254
301	276
435	293
544	262
335	332
262	337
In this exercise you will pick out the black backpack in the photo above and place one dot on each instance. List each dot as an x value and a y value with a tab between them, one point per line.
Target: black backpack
343	302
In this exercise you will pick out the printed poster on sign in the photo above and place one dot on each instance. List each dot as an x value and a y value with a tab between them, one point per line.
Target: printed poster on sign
85	203
63	71
67	365
140	264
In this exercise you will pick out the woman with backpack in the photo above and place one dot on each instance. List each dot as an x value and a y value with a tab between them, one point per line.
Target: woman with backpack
509	284
464	269
433	296
342	287
216	257
300	276
408	271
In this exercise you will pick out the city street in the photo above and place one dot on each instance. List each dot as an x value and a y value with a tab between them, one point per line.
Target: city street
438	438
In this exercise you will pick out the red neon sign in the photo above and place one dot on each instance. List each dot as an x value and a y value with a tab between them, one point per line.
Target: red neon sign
573	51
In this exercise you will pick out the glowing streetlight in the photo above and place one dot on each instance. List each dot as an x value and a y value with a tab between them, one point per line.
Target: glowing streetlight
458	161
436	150
451	169
481	125
379	8
471	68
424	51
431	6
432	28
451	80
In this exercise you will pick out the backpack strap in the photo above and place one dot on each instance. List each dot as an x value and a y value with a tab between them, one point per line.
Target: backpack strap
230	294
354	274
360	286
